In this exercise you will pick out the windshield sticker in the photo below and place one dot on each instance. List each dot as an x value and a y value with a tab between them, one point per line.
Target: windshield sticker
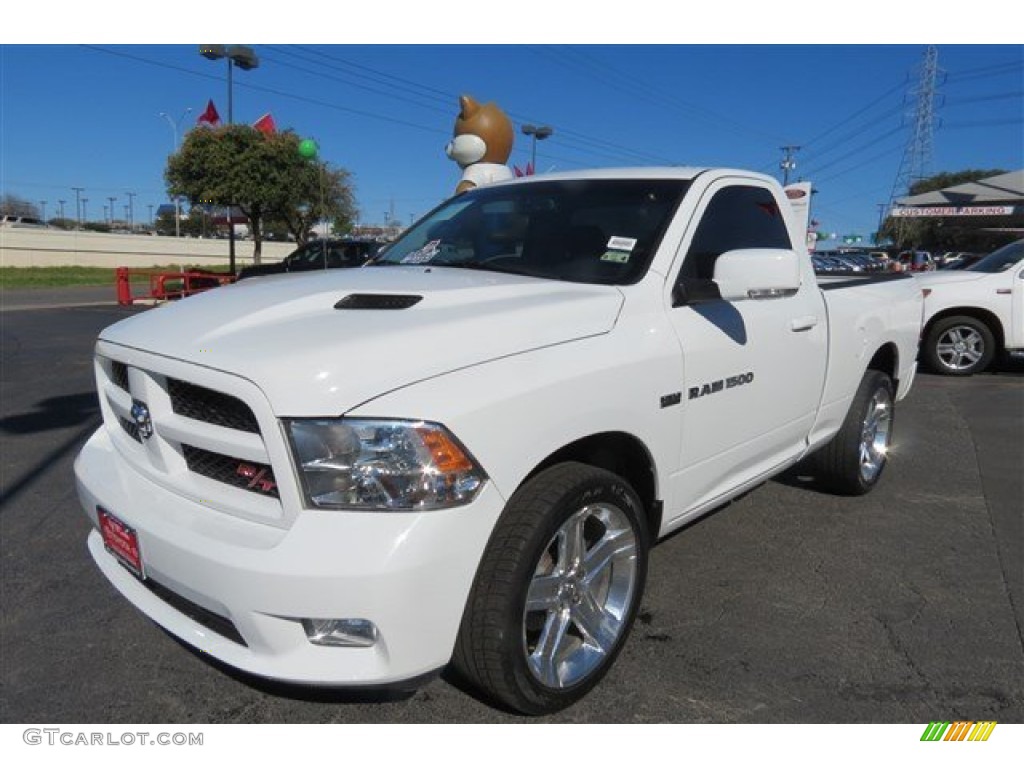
617	243
424	254
618	257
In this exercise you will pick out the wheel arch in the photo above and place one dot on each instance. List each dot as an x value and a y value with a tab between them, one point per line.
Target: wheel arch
985	316
621	453
887	360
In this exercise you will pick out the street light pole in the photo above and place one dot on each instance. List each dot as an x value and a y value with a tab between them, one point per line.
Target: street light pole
537	133
111	199
244	57
174	133
61	204
131	211
84	216
43	204
78	205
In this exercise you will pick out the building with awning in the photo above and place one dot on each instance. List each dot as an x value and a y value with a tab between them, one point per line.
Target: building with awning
1001	195
975	215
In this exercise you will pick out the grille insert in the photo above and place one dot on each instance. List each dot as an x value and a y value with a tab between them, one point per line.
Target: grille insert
222	625
119	374
131	428
247	475
204	404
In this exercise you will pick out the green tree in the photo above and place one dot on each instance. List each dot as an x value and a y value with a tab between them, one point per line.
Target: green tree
940	234
318	192
12	205
263	175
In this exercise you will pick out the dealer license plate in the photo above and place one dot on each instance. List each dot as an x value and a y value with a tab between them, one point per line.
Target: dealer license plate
121	541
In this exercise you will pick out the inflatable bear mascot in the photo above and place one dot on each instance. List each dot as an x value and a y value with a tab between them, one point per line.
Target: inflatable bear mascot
481	144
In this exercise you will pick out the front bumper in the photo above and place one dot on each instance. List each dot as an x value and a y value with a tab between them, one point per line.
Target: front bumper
408	573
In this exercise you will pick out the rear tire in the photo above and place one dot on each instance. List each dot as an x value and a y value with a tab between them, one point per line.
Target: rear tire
557	590
851	464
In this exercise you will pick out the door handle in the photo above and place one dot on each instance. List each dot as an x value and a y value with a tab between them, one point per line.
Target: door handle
803	323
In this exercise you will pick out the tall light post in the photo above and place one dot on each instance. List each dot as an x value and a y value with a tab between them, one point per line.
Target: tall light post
111	199
174	133
150	206
131	211
61	204
245	58
78	205
84	217
43	204
537	133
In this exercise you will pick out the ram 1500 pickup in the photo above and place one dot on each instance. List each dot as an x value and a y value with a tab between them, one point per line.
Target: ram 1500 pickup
462	452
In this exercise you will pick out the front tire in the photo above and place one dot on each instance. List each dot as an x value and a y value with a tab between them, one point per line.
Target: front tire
557	590
959	346
851	464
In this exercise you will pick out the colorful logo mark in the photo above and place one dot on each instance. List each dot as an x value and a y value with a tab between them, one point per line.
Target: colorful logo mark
962	730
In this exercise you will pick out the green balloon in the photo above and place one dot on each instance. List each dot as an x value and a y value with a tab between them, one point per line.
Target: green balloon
307	148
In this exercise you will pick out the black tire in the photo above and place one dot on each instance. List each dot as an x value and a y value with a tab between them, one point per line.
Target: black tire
851	464
959	346
502	648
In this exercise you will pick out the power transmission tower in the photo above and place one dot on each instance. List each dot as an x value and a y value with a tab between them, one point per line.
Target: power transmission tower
917	156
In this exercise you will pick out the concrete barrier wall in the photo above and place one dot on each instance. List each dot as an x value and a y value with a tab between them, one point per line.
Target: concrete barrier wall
53	247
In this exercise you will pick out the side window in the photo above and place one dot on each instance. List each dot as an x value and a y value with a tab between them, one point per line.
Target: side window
736	217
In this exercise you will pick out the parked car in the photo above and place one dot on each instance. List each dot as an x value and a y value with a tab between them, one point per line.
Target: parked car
916	261
970	315
317	254
961	260
26	222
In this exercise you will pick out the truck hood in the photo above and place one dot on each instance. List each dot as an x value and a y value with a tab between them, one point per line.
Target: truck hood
311	359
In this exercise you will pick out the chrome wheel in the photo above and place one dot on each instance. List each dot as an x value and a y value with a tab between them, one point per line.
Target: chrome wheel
876	435
578	601
960	348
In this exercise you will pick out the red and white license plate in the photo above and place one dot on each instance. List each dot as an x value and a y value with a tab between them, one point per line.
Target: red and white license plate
121	541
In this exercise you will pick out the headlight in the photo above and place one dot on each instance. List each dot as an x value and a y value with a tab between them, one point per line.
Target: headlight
387	465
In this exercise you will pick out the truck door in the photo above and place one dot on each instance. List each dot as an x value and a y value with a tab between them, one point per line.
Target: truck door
753	368
1015	336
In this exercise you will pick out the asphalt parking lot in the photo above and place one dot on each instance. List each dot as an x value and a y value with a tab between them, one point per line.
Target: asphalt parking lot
787	606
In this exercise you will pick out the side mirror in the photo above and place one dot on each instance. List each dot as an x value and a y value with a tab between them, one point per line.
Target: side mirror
757	273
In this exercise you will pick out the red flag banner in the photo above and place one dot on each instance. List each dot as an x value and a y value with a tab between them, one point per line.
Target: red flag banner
265	124
210	116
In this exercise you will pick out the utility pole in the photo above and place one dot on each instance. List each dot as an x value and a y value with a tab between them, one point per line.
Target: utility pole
78	205
788	162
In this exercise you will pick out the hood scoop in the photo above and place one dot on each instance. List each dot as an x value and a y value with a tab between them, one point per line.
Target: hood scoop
378	301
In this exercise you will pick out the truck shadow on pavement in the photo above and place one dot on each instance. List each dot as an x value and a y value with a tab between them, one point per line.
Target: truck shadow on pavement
54	413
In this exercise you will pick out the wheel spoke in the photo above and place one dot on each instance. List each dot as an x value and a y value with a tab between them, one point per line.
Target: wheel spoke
551	648
543	593
599	628
571	545
613	546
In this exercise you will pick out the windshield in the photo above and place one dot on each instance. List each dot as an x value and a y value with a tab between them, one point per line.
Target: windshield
1000	259
591	231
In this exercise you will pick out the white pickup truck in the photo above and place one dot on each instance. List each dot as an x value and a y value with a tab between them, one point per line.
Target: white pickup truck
462	452
974	314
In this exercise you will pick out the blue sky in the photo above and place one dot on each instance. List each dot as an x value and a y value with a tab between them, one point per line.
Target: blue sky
87	114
